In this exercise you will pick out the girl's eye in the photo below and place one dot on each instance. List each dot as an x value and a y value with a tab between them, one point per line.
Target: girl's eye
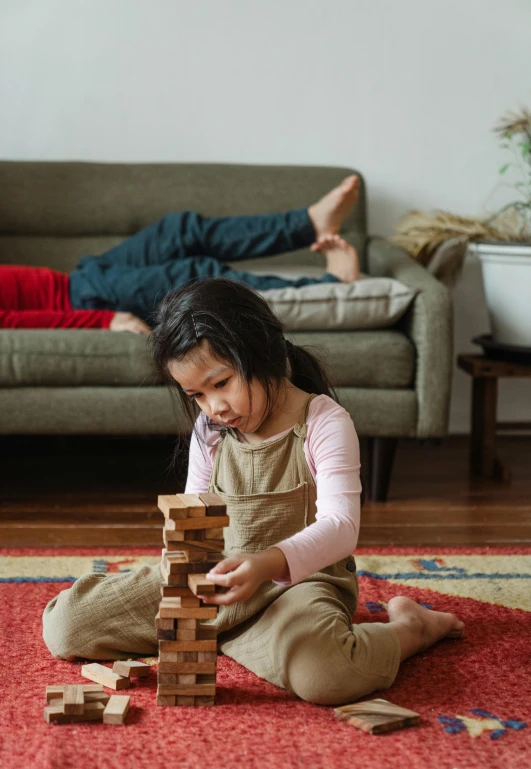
195	396
222	384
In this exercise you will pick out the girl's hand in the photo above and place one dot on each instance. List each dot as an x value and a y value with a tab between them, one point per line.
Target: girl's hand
244	573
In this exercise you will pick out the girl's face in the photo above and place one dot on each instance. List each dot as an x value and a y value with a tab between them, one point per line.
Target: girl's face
216	387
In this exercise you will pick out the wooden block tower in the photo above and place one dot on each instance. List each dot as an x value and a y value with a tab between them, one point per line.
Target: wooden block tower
193	543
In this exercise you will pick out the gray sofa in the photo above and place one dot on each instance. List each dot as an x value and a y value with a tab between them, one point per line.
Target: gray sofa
394	382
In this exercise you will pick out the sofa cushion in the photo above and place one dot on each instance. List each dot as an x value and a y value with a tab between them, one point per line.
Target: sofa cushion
75	358
366	303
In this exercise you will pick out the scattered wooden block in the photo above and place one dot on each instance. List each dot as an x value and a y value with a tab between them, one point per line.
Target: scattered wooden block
377	716
116	709
105	676
93	711
57	691
131	668
73	700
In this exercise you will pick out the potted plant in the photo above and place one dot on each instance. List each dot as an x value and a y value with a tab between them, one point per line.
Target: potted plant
502	242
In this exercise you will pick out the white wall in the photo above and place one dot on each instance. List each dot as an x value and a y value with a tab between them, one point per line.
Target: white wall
407	92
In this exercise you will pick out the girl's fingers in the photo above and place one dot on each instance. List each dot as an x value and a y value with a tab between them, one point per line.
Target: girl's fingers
222	599
228	564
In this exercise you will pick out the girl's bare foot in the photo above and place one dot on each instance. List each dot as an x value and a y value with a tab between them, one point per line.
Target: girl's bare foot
341	258
328	213
419	628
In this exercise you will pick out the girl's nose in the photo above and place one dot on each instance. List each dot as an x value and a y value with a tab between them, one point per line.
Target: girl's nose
219	407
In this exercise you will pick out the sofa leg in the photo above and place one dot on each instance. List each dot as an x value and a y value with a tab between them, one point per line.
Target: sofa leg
381	457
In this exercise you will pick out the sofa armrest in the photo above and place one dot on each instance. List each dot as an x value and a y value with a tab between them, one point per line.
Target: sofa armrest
429	324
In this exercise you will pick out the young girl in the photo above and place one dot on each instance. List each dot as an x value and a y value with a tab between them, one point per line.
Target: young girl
284	456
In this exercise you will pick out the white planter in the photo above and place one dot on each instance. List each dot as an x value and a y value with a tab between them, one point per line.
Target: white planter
507	280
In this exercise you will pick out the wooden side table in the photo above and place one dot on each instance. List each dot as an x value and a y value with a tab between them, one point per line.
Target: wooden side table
485	373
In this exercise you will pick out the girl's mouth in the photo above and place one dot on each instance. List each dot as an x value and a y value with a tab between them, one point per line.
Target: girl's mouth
234	422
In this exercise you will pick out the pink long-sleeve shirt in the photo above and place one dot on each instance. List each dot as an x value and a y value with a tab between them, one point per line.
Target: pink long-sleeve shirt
333	456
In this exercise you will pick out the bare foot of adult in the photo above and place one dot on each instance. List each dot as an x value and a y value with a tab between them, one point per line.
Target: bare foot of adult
341	258
328	213
419	628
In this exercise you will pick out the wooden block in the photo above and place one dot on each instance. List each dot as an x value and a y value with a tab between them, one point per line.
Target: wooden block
170	535
199	690
185	700
205	701
105	676
131	668
96	697
377	716
187	635
207	633
73	700
170	610
187	624
194	536
188	646
116	709
187	656
164	623
93	711
174	591
166	635
57	691
196	508
167	678
172	506
211	546
214	534
186	679
206	678
168	656
207	656
200	585
165	700
189	524
214	504
185	602
181	668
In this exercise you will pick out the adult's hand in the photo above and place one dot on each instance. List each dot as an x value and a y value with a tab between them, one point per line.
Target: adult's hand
126	321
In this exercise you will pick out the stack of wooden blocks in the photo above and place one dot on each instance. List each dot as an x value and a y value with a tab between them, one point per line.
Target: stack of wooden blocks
193	544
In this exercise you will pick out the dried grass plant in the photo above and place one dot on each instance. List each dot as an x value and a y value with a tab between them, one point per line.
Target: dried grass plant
439	240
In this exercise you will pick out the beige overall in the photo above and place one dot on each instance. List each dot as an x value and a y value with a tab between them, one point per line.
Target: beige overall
300	638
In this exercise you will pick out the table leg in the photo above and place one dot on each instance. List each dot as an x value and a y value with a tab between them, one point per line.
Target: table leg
483	459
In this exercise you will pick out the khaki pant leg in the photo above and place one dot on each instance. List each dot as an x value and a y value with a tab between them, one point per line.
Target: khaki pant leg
305	642
105	617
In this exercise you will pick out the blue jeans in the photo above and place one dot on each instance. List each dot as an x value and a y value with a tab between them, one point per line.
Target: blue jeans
182	247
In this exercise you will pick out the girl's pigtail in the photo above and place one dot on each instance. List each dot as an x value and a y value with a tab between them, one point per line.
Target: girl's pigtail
307	373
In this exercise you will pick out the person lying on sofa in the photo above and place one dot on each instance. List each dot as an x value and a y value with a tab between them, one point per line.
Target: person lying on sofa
120	289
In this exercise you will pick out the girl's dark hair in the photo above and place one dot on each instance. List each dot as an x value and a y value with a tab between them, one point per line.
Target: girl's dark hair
240	328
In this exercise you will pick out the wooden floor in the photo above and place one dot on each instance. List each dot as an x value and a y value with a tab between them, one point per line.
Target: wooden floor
102	491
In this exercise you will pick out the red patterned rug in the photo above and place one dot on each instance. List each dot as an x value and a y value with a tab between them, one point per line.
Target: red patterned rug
472	695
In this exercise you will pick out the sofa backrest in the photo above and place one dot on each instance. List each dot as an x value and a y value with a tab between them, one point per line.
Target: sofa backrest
52	213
